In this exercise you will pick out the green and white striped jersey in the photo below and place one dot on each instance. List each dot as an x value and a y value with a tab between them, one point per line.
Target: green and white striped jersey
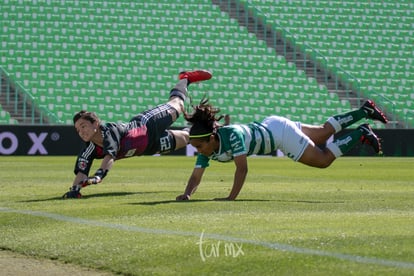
236	140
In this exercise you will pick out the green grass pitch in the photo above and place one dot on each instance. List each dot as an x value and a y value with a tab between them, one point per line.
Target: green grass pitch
355	217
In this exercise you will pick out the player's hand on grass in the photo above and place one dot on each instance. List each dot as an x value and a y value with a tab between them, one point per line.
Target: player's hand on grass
182	197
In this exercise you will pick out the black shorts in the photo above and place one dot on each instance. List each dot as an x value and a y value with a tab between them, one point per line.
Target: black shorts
158	120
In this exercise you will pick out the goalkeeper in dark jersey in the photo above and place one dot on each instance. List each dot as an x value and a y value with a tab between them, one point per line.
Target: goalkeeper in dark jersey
145	134
296	140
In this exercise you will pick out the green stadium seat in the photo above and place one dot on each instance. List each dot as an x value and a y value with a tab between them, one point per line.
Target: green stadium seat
354	31
107	54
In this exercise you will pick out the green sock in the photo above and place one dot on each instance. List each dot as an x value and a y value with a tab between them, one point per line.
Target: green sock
342	121
345	143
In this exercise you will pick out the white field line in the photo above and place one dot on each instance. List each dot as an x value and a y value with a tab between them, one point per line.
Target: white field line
271	245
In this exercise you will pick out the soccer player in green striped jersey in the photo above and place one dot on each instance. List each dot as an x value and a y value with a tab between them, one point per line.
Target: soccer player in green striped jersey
296	140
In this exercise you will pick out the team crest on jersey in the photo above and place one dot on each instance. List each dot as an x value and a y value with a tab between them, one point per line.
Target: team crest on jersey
82	164
223	157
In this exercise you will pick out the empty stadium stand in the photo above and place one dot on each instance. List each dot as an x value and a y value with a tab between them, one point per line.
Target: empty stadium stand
371	40
121	57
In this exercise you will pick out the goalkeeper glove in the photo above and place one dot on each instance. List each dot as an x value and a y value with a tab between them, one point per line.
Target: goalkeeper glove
74	192
91	180
97	178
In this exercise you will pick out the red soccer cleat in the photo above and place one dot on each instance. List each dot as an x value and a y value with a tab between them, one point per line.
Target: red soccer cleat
195	76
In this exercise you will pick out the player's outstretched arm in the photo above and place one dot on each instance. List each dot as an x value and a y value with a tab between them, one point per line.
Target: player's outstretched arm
82	180
192	184
239	177
79	178
74	191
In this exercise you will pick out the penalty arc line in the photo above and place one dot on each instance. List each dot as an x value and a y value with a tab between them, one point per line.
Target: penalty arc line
271	245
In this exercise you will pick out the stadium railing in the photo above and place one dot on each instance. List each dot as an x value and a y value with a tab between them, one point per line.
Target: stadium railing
22	102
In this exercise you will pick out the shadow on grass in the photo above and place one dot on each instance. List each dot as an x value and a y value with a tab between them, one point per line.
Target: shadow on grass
115	194
314	201
89	196
195	201
237	200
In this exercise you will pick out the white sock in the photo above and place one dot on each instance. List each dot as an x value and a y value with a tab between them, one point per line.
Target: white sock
334	149
336	125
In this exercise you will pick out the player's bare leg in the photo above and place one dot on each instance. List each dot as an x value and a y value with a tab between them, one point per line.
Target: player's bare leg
181	138
322	158
318	134
177	97
316	157
336	123
178	104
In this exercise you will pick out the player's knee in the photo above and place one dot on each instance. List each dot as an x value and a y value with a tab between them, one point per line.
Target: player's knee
325	162
324	165
181	138
317	161
177	103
